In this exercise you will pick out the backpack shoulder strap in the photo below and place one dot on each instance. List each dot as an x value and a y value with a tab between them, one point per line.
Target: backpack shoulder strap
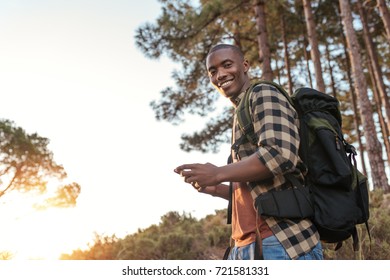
244	117
230	207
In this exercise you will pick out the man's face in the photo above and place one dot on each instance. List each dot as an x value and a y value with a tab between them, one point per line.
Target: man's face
227	72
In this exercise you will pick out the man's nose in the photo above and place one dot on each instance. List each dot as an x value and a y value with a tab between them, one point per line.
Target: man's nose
221	74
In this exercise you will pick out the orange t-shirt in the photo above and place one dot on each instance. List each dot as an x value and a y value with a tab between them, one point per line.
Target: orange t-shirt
244	217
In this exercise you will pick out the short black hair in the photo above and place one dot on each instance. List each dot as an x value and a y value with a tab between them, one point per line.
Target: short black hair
236	49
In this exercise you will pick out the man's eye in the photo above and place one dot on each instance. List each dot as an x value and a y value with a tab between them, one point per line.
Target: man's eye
227	65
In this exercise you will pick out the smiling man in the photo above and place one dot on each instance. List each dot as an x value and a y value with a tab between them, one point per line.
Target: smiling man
260	166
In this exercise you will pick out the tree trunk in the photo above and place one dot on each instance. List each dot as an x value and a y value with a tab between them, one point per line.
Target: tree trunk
332	82
379	87
278	69
353	99
262	40
385	15
382	124
374	148
236	33
306	55
314	51
286	53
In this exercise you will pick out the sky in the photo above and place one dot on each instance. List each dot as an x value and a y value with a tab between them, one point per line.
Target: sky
70	71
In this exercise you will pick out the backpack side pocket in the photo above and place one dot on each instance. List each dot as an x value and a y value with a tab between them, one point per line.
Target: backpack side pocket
330	166
328	163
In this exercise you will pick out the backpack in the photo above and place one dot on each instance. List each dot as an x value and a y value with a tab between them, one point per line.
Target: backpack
336	190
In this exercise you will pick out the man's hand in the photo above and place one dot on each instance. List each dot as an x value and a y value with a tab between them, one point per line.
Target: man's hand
199	175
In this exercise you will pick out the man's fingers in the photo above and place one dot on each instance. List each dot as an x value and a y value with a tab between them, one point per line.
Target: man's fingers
196	185
189	179
185	167
189	172
184	171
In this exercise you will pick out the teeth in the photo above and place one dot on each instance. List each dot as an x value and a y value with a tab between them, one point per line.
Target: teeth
225	84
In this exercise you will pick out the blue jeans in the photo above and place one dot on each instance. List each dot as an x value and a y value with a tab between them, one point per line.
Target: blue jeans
272	250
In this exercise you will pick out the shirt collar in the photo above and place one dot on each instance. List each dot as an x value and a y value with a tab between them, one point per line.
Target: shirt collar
237	100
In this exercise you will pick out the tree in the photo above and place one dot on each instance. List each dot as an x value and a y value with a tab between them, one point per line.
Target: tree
385	15
314	51
346	65
26	165
373	145
262	40
378	87
185	34
286	51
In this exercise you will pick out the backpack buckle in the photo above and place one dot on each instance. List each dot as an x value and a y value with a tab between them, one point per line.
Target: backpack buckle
350	149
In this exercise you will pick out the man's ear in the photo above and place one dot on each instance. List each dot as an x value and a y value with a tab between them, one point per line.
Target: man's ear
246	66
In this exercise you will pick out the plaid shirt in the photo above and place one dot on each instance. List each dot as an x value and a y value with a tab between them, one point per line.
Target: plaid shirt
276	125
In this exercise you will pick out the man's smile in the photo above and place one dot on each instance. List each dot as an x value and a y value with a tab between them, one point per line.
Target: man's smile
225	84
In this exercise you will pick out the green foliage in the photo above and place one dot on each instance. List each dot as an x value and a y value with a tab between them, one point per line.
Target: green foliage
25	160
182	237
215	131
216	229
185	32
27	164
102	248
64	196
177	237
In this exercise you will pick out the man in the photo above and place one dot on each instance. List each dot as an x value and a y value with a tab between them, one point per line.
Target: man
263	165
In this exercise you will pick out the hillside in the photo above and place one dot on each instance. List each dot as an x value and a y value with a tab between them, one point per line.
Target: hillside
182	237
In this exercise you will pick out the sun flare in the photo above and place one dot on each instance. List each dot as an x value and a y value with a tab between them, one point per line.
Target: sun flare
42	234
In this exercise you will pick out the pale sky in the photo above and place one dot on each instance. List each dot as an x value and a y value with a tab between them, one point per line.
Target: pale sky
70	71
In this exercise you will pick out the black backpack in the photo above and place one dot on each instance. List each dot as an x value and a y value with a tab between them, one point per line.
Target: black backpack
335	194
